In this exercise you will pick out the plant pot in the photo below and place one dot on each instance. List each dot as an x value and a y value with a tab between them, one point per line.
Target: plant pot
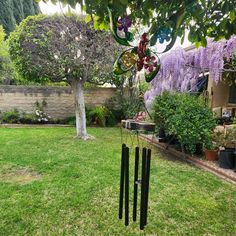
211	155
226	158
162	136
199	149
162	133
133	125
172	139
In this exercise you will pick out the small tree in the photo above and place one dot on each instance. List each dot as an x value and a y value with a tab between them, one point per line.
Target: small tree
12	12
58	48
6	68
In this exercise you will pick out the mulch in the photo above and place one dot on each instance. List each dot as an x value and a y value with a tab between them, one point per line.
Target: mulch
210	166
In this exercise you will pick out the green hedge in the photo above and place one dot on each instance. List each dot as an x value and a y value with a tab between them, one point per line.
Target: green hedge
187	117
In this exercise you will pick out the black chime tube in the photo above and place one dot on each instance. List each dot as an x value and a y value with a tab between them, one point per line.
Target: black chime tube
147	183
135	183
126	186
122	172
143	187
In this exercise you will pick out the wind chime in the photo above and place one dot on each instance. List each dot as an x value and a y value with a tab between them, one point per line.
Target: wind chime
141	57
144	182
142	159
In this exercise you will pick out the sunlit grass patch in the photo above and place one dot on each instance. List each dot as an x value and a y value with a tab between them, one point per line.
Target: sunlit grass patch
76	188
18	175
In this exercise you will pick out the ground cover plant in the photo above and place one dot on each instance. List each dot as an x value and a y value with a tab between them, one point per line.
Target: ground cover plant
53	184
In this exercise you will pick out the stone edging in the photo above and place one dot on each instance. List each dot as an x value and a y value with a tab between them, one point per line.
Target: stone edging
33	125
191	159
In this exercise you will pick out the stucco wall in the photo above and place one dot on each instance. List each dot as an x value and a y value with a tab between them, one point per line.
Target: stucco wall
60	101
218	94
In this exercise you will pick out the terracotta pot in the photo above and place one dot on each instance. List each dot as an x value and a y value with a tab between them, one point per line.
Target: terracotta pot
211	155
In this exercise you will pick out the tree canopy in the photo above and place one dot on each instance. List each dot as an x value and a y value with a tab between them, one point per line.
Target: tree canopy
202	18
63	48
12	12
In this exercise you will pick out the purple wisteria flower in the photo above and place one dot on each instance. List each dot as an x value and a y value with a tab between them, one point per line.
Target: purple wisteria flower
180	69
124	23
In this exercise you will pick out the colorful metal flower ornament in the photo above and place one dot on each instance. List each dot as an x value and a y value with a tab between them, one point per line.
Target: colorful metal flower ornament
140	56
164	35
124	23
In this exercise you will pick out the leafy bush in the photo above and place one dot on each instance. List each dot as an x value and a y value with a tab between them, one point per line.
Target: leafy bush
42	116
97	116
124	107
10	117
187	117
28	118
164	107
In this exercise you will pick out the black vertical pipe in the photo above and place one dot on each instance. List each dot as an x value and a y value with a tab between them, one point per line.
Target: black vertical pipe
127	186
122	172
135	183
147	183
143	182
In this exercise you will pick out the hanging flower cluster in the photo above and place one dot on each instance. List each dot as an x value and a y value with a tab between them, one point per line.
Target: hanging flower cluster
180	69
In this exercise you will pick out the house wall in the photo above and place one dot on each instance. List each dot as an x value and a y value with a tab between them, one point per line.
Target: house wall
218	94
60	100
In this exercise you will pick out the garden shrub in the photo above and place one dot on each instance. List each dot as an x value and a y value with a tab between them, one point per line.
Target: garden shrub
28	118
124	107
187	117
10	117
97	116
164	107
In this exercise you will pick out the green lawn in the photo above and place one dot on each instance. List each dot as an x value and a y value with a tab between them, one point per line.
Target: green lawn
76	185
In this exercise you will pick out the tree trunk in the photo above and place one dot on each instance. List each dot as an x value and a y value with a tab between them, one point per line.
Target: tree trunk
78	90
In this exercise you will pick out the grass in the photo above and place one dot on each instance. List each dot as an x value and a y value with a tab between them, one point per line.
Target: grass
52	184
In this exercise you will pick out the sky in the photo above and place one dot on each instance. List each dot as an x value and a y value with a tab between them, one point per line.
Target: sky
49	8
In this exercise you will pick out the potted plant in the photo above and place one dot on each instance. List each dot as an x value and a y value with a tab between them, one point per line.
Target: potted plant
227	149
211	151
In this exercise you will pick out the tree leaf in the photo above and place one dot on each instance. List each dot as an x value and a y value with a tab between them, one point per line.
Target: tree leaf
88	18
232	15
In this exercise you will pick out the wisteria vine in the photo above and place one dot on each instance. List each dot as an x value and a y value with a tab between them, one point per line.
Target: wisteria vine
180	69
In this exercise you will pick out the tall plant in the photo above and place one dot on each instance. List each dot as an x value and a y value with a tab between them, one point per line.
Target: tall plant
7	73
12	12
